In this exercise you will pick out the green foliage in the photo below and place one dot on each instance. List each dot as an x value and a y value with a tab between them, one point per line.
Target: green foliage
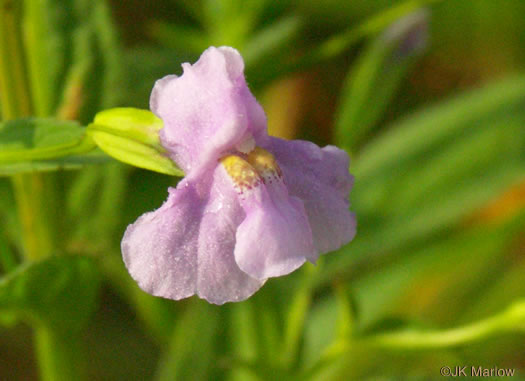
57	295
412	137
370	86
190	352
429	171
436	133
72	57
34	144
59	292
38	144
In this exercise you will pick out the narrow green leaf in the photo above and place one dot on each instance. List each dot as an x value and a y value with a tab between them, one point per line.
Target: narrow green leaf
296	317
384	288
347	314
40	144
430	127
267	42
501	290
372	83
59	291
80	196
269	332
230	21
190	352
244	338
492	146
425	196
108	55
381	235
320	331
131	136
111	204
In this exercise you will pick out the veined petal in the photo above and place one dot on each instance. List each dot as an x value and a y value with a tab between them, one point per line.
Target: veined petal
207	111
186	246
275	238
320	178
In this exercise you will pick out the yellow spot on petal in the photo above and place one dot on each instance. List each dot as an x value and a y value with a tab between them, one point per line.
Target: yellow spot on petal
264	163
241	172
249	171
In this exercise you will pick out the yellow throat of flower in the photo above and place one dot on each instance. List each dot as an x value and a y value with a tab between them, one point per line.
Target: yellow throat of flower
248	171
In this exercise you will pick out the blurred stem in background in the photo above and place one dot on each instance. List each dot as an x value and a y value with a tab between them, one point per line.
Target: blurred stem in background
30	190
510	320
33	192
59	355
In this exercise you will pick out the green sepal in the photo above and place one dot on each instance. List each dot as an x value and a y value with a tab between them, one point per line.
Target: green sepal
132	136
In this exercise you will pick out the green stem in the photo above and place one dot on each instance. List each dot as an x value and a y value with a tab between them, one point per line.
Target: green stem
512	319
32	199
14	85
56	353
35	32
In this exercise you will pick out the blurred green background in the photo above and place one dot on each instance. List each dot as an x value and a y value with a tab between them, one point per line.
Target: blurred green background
428	97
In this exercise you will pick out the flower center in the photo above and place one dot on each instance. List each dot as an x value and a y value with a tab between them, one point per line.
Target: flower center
249	171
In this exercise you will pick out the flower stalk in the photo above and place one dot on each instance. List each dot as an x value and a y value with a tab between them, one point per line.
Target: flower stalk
33	192
511	319
16	103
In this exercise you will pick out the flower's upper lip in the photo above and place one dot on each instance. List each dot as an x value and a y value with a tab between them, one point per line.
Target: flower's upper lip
208	110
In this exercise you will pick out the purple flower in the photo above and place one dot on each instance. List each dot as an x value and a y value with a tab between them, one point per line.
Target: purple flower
251	206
